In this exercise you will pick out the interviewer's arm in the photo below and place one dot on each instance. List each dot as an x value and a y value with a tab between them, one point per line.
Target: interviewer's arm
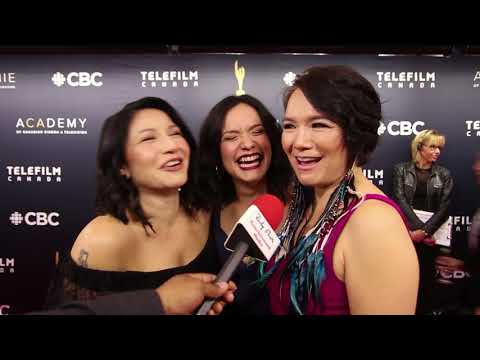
181	294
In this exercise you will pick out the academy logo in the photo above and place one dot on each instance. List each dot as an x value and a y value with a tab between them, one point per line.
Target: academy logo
50	125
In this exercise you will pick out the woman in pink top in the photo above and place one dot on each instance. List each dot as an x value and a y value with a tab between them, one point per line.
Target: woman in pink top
345	246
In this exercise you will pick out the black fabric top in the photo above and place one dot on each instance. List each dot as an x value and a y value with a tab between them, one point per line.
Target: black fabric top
250	299
420	197
139	302
73	282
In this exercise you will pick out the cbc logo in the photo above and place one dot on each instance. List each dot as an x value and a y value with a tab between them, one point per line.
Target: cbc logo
396	128
449	277
455	274
289	78
76	79
4	309
35	218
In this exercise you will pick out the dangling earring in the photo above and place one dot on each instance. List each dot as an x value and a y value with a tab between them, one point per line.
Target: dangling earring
218	171
124	173
350	179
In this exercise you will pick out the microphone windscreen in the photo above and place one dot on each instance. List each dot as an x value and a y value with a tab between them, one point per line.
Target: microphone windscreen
271	208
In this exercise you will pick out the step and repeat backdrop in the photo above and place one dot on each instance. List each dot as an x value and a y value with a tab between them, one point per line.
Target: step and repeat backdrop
52	108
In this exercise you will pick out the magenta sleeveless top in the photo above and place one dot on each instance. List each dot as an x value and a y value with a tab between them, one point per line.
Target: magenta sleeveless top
333	293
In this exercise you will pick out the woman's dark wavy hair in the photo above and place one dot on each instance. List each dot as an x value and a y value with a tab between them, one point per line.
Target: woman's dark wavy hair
348	99
215	183
117	195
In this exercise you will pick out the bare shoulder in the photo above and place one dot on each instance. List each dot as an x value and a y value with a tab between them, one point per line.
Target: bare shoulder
377	247
101	244
375	220
376	234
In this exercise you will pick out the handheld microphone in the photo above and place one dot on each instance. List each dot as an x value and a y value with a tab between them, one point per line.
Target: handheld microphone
253	235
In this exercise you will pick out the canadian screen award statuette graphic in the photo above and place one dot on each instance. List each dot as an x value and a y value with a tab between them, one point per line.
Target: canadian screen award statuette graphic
240	73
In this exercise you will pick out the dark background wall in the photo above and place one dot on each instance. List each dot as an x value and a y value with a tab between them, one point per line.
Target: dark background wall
49	128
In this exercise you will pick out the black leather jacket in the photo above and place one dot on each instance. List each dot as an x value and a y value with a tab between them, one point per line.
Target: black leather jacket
439	191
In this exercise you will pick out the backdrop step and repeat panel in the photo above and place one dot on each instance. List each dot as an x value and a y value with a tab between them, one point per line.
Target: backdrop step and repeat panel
52	108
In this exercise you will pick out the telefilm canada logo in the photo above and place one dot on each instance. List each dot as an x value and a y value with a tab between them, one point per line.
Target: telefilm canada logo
405	80
35	218
51	125
77	79
472	127
4	309
7	80
169	79
400	128
374	175
34	174
7	265
461	223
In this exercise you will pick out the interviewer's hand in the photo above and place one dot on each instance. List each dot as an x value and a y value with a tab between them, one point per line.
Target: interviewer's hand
429	240
417	235
182	294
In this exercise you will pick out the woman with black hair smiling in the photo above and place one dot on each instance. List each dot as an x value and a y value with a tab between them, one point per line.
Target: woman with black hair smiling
345	245
151	223
240	158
